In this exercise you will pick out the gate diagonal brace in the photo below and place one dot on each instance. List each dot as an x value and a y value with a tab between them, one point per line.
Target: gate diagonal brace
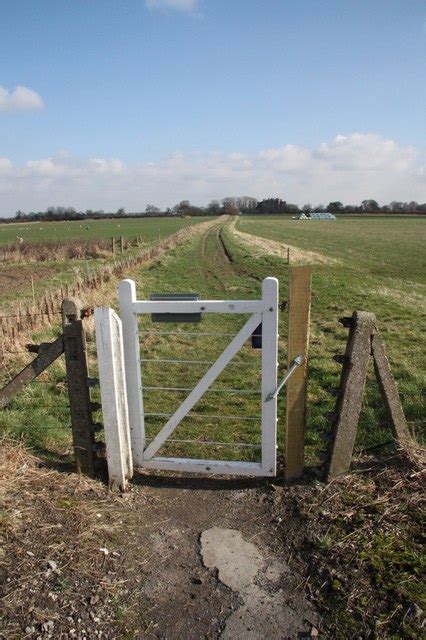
364	340
47	352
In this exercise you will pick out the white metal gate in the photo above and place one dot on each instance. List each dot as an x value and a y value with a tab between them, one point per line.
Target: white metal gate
263	311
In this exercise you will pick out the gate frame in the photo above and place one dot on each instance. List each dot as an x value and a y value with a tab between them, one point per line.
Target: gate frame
263	311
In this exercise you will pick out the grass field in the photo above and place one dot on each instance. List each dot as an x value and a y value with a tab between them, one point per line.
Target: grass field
379	266
149	228
15	277
360	280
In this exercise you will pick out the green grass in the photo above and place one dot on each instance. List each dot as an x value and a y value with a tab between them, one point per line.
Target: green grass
380	247
380	269
338	289
149	228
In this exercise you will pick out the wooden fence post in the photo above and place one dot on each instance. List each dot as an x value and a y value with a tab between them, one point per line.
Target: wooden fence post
121	244
113	245
78	391
298	343
364	340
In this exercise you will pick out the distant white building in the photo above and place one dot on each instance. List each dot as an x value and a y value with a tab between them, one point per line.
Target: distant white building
315	215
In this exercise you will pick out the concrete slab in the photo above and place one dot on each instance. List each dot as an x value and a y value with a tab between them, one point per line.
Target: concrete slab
238	562
268	612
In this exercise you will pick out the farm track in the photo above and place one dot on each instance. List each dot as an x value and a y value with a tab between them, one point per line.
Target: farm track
218	262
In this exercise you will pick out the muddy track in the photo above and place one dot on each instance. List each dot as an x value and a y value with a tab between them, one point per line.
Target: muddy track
215	263
228	254
222	246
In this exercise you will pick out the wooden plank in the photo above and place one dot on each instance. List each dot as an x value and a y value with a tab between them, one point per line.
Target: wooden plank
78	391
298	343
127	294
389	390
48	352
269	374
209	377
349	402
109	347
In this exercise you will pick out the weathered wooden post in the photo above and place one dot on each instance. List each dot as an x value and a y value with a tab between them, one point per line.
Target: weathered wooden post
121	244
364	340
78	390
298	343
113	245
32	288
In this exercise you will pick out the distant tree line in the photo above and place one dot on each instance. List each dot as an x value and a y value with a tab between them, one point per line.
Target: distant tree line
244	205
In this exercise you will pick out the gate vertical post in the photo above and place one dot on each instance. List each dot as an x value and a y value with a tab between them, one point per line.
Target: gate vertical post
109	346
78	392
269	374
129	319
298	343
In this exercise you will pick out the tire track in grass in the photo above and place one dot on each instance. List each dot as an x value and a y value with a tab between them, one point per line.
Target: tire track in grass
219	262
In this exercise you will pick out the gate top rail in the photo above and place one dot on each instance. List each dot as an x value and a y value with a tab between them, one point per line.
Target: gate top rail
198	306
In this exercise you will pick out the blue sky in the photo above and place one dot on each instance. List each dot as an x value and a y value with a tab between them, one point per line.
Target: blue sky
134	101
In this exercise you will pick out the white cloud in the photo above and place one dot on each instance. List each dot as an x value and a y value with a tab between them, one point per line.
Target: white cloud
107	166
349	168
5	165
179	5
20	99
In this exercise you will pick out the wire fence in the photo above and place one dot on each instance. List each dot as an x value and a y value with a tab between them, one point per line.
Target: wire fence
37	310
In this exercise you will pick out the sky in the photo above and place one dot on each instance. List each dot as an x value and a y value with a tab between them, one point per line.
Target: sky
123	103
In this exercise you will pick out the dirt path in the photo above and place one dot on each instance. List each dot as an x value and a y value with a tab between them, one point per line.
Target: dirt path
185	591
245	588
176	557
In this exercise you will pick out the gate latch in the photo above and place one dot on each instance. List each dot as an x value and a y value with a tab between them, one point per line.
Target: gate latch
175	317
296	363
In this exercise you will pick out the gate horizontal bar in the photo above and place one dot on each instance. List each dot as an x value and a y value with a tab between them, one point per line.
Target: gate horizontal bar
235	364
193	465
246	391
198	306
212	442
187	333
203	415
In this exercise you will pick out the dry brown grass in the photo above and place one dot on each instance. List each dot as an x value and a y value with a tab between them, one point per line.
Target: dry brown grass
54	527
56	250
